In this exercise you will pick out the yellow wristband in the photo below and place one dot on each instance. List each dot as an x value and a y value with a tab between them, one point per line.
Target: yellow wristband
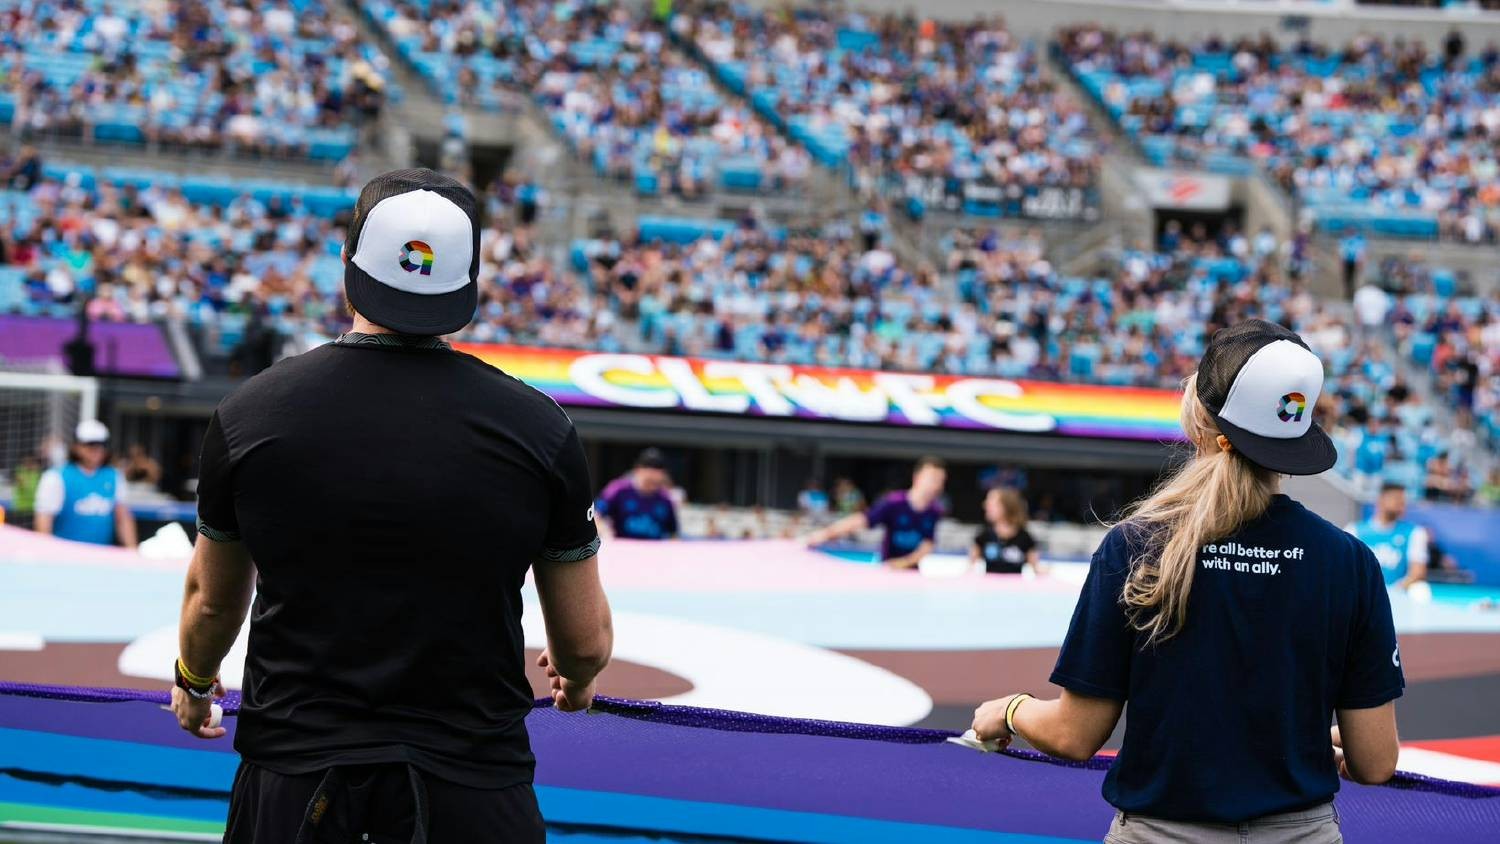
1010	711
193	679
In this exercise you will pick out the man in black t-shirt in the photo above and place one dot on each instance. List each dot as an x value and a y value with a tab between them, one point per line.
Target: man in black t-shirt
392	495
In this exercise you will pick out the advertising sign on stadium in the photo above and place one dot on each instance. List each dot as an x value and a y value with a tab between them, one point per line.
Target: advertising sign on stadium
1187	191
986	198
678	384
1050	202
120	348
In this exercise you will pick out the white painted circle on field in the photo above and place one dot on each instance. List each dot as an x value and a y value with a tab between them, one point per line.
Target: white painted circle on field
729	669
754	672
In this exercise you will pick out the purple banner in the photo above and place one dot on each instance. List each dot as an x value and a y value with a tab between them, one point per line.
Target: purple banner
660	769
120	348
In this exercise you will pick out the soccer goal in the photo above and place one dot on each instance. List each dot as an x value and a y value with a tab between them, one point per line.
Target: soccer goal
38	412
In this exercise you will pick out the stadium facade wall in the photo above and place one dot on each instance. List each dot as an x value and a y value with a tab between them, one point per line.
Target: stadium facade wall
1283	19
1468	533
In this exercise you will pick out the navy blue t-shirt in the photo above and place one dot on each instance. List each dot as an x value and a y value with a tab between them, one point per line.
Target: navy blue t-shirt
1228	720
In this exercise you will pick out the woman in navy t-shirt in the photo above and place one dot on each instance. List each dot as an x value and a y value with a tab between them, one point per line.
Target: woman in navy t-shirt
1233	621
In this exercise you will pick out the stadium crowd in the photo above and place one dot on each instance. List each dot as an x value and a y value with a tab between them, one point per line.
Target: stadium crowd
901	100
270	77
148	253
835	297
1378	123
913	106
827	295
613	84
241	269
1489	5
1410	307
927	108
1383	122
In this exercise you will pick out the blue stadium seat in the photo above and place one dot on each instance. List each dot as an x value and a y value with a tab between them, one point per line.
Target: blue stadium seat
1422	346
1444	282
12	289
682	230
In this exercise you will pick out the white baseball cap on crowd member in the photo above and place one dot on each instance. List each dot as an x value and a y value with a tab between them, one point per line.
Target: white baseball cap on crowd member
91	431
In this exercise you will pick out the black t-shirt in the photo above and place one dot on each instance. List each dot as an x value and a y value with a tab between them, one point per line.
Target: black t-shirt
1288	620
392	497
1001	555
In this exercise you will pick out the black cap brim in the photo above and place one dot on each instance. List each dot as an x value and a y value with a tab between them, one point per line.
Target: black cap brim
409	313
1313	453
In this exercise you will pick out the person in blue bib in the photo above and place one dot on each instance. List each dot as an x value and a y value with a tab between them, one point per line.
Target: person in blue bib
84	500
1399	545
1234	622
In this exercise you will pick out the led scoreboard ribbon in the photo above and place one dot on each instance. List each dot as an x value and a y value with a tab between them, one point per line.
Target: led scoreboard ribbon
664	382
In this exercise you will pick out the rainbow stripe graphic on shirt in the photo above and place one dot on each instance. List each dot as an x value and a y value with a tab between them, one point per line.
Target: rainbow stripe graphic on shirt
1291	407
416	255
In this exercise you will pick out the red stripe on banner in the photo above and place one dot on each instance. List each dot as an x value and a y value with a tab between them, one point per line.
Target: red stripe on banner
1483	748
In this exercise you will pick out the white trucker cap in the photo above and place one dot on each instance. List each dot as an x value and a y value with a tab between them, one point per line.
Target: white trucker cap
1260	382
413	253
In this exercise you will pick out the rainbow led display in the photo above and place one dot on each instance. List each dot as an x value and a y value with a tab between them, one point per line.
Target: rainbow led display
663	382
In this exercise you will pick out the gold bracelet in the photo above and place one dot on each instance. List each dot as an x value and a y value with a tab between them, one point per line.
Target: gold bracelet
1010	711
193	679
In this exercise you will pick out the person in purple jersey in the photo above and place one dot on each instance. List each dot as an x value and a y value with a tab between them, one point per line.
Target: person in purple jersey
909	517
637	505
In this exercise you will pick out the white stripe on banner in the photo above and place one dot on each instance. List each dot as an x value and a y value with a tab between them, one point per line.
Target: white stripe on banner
728	668
1433	763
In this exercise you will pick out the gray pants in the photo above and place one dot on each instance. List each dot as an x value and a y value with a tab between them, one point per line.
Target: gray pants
1318	825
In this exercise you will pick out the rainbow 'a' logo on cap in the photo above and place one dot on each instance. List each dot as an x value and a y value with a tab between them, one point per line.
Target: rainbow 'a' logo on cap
416	255
1291	407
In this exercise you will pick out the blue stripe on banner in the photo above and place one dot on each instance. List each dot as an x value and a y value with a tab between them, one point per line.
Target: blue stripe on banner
633	812
128	762
73	796
118	761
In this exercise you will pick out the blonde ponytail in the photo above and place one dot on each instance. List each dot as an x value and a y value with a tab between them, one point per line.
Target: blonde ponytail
1207	499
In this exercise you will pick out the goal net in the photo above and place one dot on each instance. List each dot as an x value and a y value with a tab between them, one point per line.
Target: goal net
38	413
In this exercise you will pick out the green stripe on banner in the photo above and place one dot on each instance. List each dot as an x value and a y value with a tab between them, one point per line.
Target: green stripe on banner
118	761
634	812
44	818
565	807
148	765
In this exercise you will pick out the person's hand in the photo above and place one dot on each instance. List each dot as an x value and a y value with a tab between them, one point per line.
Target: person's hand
903	562
989	721
567	695
1338	753
814	539
193	714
